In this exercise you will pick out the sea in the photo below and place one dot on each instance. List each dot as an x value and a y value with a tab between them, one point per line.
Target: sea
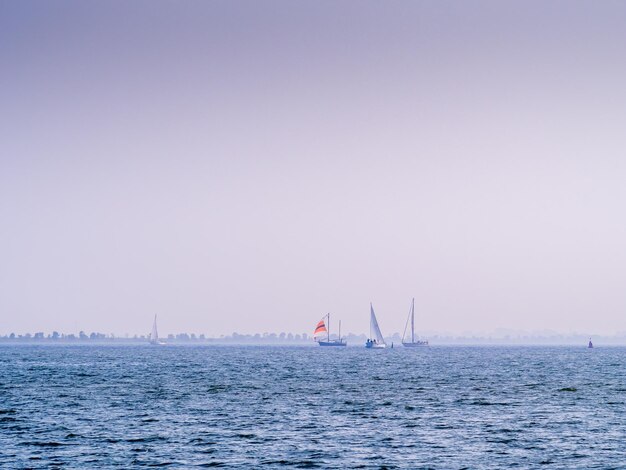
439	407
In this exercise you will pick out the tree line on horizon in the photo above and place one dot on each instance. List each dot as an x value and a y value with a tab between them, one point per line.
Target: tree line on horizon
181	337
304	338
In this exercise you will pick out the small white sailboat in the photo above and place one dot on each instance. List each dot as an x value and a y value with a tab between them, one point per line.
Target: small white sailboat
376	339
412	343
154	335
321	328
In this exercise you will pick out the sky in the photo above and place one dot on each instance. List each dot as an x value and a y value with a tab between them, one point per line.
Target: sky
250	166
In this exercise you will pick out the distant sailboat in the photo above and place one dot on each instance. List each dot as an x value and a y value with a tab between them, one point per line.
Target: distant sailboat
154	335
590	346
412	343
376	339
321	328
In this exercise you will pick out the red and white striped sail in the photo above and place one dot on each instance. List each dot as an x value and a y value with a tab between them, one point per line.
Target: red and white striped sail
320	328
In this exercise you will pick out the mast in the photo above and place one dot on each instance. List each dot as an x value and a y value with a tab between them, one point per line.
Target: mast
371	312
340	331
410	316
154	335
328	329
413	321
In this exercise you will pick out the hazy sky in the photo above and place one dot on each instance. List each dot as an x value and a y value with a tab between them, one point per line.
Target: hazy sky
250	166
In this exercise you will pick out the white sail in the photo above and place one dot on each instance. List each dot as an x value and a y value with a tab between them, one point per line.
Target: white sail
376	333
414	342
154	336
411	317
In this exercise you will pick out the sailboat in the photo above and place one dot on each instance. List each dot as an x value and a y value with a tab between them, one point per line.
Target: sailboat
154	336
412	343
376	340
321	327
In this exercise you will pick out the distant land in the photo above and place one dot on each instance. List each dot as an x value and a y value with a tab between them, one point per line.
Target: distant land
498	337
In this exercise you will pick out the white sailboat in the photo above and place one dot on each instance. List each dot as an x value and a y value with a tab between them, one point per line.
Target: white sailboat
376	339
154	335
412	343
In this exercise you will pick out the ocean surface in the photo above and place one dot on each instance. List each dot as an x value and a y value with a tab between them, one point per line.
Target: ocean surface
305	407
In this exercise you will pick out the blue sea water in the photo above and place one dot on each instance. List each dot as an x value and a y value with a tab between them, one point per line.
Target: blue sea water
304	407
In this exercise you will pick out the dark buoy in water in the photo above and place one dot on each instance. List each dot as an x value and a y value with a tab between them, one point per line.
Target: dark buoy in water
590	344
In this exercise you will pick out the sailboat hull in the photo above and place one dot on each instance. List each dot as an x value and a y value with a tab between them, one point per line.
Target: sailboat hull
416	344
375	346
332	343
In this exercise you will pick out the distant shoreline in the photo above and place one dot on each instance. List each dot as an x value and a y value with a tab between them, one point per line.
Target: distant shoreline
508	338
598	342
